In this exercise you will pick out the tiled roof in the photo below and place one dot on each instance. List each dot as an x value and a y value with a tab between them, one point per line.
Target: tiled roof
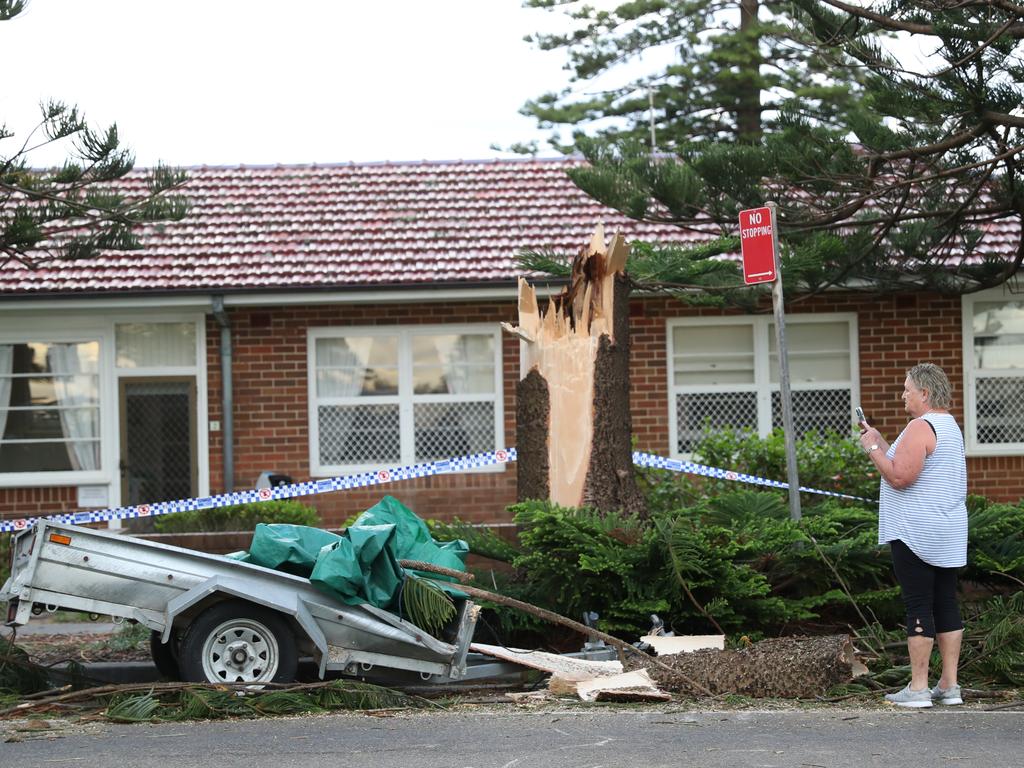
339	226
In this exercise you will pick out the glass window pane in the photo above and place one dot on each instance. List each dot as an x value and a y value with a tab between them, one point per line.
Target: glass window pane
999	352
63	357
712	354
357	365
998	317
50	423
49	406
154	345
998	335
817	352
48	457
455	364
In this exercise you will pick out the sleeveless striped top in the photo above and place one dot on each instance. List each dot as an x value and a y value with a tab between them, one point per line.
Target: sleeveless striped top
930	515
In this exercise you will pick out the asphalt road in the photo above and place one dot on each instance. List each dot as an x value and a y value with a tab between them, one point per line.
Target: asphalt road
507	737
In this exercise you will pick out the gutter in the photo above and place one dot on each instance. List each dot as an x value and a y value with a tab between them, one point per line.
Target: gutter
227	393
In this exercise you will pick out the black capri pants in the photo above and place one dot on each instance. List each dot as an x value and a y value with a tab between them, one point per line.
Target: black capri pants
929	593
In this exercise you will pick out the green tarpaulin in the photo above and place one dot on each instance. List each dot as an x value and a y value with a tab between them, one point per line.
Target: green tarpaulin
361	564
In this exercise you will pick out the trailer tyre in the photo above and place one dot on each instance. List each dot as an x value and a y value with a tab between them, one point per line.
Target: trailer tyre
165	655
238	642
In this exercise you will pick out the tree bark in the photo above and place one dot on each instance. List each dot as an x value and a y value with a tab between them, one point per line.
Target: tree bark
784	667
573	424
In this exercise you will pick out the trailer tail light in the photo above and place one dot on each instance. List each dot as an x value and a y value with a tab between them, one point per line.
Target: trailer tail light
60	538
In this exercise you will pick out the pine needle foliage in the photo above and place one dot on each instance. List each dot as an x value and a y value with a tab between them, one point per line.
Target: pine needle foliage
133	709
85	206
482	541
577	560
425	604
889	169
215	703
994	647
18	674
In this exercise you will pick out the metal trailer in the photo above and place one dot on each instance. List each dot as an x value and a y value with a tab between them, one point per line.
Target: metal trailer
221	620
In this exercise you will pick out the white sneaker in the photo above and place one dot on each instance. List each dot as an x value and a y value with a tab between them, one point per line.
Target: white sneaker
908	698
947	696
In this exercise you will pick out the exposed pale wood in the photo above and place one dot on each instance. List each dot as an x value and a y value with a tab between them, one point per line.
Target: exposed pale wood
554	618
573	418
667	645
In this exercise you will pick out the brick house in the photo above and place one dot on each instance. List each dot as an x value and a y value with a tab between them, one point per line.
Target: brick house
357	308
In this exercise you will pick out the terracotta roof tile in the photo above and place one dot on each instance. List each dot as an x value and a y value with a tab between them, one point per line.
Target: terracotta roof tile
378	224
369	225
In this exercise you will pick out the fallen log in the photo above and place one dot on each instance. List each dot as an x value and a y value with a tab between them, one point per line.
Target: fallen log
784	667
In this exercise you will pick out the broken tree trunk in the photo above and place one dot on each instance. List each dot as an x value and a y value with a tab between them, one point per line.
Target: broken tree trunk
784	667
573	424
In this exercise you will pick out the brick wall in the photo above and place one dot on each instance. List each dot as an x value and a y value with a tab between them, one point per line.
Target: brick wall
271	408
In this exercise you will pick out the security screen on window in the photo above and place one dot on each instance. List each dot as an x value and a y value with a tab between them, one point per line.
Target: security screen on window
49	407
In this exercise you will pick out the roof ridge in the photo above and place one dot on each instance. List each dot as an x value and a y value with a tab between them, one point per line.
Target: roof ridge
377	163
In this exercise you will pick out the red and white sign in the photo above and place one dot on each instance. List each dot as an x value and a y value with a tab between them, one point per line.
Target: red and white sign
757	245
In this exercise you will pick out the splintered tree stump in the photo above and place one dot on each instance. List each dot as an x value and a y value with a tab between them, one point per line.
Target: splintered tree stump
573	424
785	667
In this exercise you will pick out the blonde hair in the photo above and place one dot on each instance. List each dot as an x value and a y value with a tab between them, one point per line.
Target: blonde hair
932	378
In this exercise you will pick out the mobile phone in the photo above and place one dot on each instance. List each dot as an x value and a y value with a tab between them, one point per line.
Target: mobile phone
860	415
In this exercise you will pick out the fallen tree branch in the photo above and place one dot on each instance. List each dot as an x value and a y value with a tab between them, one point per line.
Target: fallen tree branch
86	694
583	629
419	565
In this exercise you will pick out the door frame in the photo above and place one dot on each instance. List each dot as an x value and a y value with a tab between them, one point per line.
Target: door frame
193	437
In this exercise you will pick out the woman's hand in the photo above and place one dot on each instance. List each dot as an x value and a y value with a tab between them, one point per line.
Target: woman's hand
870	437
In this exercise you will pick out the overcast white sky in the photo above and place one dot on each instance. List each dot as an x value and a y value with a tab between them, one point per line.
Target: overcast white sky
227	82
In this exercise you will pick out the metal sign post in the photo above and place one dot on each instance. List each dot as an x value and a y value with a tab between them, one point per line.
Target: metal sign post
759	246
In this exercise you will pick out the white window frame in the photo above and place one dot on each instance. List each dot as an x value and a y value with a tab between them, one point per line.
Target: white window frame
761	385
51	327
971	375
405	397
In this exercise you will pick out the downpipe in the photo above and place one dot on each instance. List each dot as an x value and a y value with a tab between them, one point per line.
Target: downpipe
227	394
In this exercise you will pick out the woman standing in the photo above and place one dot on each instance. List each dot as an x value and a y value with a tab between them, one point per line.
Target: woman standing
922	515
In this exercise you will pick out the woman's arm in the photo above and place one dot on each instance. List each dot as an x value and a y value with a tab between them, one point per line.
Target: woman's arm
908	460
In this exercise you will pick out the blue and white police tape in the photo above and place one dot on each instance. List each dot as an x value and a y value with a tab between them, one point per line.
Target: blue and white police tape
376	477
328	485
674	465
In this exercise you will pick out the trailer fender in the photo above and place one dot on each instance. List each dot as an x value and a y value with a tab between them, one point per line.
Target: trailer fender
284	601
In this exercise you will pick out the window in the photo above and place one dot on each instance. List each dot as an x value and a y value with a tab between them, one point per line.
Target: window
994	374
50	406
725	374
62	420
155	345
386	396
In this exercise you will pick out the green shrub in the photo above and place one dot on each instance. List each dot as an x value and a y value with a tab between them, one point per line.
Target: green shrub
240	517
995	544
829	463
577	560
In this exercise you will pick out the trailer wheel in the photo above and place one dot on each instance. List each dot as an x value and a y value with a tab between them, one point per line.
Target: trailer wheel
165	655
238	642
